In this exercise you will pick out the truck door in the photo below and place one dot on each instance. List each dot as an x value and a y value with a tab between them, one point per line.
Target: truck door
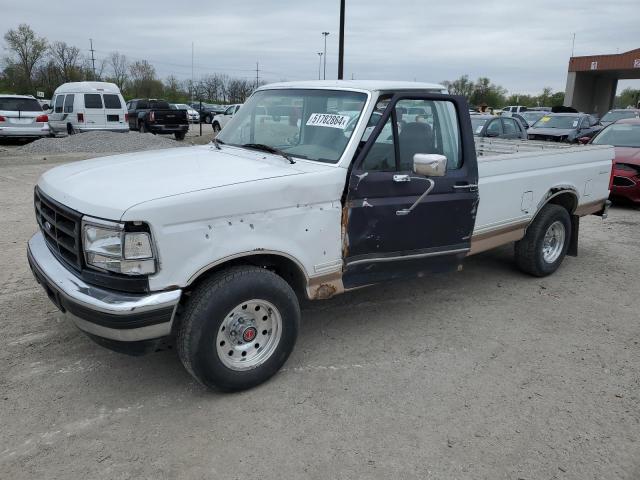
94	116
403	222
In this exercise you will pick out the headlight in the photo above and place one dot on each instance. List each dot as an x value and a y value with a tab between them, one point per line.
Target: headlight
107	246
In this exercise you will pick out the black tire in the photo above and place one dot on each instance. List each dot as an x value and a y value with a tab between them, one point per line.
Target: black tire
179	135
209	306
70	129
216	127
142	128
208	119
529	252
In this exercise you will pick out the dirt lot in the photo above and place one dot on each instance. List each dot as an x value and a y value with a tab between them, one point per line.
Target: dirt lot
484	374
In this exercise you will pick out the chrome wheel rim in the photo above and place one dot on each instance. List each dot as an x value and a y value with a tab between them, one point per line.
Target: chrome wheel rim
249	334
553	242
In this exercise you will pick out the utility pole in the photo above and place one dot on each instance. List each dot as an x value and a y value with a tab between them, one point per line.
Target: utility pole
257	75
573	44
341	43
93	58
192	72
319	64
326	34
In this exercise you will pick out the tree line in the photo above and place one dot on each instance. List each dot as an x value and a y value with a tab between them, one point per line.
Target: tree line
33	63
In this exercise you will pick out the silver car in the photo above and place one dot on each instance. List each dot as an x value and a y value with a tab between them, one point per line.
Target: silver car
22	116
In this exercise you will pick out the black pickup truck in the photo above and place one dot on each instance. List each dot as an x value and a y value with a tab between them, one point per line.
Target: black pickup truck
156	116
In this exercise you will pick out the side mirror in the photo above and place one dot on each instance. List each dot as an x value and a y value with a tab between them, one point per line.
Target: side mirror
430	164
492	134
45	106
584	140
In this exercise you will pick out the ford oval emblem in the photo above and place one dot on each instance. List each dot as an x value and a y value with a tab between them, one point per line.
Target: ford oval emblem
48	226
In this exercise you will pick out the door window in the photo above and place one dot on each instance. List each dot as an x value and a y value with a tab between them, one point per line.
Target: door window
423	126
59	102
92	100
68	103
112	101
494	128
510	127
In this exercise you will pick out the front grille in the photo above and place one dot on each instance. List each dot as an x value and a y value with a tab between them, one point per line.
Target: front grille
61	228
623	182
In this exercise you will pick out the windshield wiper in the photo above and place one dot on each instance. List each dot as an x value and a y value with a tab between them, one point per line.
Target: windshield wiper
269	149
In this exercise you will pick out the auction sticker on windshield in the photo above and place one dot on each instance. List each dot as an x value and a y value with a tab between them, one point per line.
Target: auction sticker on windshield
328	120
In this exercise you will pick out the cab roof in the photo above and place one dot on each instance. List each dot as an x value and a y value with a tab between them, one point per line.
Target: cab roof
365	85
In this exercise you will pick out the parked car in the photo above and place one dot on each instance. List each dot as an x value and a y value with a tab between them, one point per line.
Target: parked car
208	110
614	115
220	120
212	245
500	127
192	115
44	103
530	117
156	116
515	109
624	135
87	106
564	127
21	116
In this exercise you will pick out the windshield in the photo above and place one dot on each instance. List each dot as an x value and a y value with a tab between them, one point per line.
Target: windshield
615	116
22	104
558	121
532	117
477	124
619	135
310	124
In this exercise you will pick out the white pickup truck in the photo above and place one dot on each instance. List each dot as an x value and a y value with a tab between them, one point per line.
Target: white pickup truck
347	184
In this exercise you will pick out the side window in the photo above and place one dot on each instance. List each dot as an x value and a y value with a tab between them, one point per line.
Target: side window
494	128
434	129
112	101
59	101
382	156
92	100
510	127
68	103
229	111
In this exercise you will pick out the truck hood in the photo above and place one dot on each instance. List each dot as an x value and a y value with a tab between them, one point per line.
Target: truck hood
107	187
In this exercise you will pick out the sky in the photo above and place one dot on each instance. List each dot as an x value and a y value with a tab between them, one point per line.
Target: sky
521	45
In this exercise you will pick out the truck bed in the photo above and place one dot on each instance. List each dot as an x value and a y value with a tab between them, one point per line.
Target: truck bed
516	177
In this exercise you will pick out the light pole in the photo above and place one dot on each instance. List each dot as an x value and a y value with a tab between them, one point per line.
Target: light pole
325	34
341	43
319	64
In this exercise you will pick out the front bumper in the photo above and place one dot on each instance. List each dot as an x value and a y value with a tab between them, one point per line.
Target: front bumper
25	131
108	314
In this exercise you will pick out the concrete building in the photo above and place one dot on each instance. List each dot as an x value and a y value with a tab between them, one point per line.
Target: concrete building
592	81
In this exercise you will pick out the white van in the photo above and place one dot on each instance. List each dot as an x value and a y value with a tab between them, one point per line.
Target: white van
86	106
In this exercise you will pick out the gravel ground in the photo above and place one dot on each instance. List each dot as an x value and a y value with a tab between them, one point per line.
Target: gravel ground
99	142
483	374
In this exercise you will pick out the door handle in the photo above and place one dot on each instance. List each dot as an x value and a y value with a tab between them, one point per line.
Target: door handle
407	211
401	178
472	187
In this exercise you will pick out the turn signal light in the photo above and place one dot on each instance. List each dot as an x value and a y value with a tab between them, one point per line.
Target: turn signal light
126	117
42	118
81	117
2	119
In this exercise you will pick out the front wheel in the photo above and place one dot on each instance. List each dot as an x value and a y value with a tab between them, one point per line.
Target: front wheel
238	328
179	135
208	119
545	244
216	128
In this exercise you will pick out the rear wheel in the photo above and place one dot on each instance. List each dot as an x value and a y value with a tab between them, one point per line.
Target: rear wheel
545	244
238	328
216	127
142	128
179	135
208	119
70	129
